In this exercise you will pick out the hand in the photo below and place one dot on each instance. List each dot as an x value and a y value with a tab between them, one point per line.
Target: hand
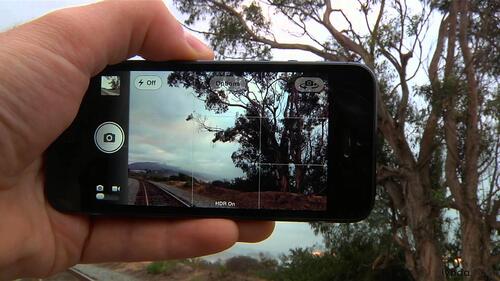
45	67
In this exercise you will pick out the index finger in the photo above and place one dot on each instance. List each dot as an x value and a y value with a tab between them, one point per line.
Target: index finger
109	32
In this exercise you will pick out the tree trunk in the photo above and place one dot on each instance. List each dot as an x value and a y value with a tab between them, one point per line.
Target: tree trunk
422	255
299	176
429	265
284	182
475	248
282	157
296	147
475	232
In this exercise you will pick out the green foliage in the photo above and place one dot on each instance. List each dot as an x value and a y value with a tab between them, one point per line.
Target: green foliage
158	267
301	265
359	259
414	25
262	267
301	9
196	263
222	272
253	13
268	267
492	107
242	264
484	27
180	177
351	262
375	229
228	35
355	251
155	177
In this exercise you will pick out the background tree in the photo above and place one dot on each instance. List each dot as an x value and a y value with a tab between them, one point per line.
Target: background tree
362	251
439	141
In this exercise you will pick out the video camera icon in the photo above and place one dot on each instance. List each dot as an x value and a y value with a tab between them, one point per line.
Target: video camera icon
109	137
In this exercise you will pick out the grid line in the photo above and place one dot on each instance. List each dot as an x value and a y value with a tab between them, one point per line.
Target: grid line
287	164
192	162
260	117
260	154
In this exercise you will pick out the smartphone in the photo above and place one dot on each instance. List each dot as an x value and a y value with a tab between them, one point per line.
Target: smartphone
235	139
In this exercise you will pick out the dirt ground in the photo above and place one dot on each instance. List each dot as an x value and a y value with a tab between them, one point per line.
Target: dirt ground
268	199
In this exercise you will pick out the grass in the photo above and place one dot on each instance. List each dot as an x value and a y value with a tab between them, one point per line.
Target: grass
158	267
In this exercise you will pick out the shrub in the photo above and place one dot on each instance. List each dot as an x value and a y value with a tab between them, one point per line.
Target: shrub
158	267
242	264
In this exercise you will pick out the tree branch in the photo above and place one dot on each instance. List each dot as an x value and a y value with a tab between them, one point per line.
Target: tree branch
303	27
427	144
373	32
396	194
450	125
272	43
472	140
344	40
385	172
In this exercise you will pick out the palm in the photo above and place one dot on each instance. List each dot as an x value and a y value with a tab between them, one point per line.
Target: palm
31	221
52	240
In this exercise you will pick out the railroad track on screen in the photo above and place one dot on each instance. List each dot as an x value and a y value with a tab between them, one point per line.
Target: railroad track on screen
152	195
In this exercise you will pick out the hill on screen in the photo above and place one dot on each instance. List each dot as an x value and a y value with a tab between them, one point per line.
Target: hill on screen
168	170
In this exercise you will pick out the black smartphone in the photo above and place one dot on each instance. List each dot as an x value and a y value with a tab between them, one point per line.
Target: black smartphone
236	139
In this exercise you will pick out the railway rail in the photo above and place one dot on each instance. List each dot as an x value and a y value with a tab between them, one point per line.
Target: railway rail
152	195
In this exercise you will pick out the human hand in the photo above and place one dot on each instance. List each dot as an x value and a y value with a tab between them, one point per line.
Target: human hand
45	67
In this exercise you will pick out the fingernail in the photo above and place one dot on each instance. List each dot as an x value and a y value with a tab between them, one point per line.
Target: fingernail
197	44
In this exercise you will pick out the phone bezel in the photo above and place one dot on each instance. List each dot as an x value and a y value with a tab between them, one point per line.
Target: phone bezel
63	184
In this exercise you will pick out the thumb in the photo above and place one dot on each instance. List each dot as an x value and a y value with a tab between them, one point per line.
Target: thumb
109	32
45	66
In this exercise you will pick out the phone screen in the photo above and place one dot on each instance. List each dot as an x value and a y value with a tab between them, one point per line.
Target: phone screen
240	140
218	139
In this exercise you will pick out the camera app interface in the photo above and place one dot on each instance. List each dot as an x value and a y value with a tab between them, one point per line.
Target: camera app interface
250	140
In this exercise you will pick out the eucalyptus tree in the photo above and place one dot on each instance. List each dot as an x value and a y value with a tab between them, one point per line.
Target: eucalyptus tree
439	139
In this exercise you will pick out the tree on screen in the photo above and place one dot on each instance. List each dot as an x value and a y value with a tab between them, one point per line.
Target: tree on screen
274	124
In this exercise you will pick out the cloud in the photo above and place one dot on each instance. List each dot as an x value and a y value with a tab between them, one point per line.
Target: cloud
159	131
